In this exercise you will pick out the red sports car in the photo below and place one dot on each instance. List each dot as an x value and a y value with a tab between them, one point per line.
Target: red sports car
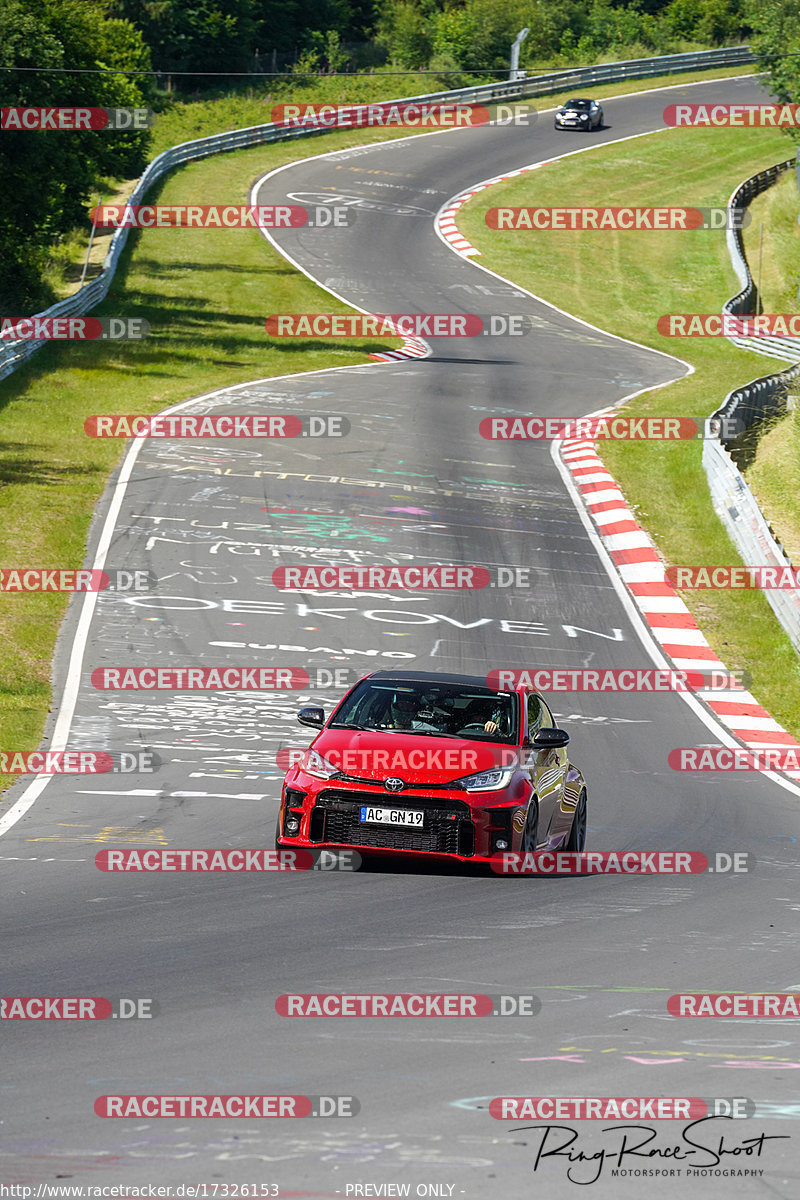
434	764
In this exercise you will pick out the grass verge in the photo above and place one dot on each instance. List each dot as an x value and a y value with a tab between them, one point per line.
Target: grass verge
205	294
622	282
773	240
185	120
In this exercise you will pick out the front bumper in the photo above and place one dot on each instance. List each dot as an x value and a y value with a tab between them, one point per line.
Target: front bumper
455	826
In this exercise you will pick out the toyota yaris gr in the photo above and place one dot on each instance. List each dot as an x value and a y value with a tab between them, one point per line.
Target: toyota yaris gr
434	765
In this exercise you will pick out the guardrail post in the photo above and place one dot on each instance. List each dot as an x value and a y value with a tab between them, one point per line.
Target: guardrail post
513	75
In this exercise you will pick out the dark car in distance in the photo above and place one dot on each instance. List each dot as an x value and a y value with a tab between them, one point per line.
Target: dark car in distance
429	764
579	114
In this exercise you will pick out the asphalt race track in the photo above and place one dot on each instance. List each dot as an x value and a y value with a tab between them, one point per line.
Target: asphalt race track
412	481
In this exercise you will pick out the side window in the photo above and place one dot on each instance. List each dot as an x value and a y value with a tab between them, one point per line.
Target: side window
538	716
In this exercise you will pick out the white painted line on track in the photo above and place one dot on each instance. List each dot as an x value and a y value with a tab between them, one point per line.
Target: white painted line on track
591	469
69	696
70	692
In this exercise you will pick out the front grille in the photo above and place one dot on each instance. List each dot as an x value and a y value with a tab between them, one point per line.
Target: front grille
447	829
454	786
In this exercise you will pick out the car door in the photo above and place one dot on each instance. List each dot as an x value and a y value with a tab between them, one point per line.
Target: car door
547	769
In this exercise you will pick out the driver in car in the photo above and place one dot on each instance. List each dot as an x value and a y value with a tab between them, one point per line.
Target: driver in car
411	712
483	712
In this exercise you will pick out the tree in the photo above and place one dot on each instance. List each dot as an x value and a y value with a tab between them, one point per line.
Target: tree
776	41
407	32
201	35
48	176
709	21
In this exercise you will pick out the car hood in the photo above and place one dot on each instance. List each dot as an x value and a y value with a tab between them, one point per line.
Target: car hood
414	758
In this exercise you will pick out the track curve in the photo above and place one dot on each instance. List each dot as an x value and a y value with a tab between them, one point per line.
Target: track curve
212	520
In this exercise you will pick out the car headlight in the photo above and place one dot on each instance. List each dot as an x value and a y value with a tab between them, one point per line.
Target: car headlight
314	764
584	117
493	780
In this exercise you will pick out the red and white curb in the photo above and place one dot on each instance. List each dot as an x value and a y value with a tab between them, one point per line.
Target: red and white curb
445	219
445	223
412	348
668	618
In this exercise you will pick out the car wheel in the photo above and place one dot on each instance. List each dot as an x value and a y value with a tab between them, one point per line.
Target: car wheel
278	833
530	832
577	834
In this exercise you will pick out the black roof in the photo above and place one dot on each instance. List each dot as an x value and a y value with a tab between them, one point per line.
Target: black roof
431	677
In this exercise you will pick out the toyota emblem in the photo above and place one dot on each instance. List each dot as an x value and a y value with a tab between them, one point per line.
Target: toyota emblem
393	785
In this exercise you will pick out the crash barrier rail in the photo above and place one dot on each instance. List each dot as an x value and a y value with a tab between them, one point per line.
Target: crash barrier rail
13	354
734	503
736	507
747	302
767	395
639	68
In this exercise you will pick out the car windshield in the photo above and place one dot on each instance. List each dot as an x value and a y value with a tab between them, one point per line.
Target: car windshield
435	709
580	105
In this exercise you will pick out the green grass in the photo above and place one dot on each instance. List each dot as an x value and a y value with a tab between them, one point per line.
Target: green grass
773	239
774	476
183	120
774	479
622	282
205	294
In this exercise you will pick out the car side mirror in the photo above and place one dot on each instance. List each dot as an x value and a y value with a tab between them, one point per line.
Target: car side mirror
312	716
551	739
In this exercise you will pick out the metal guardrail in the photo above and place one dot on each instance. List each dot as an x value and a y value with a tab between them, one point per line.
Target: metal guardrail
733	501
640	68
747	302
767	395
736	507
13	354
746	406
